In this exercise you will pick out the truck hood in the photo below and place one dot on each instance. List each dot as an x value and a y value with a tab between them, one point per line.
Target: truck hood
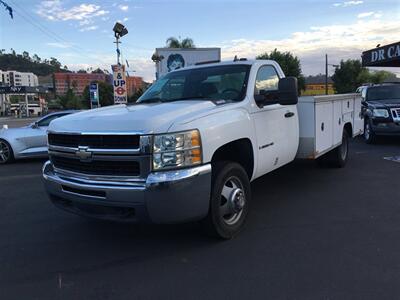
142	118
385	103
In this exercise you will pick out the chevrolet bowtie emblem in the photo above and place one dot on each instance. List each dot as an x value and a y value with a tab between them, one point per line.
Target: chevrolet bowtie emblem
83	153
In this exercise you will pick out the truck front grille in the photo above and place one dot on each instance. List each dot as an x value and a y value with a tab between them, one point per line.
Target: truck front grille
396	114
97	167
95	141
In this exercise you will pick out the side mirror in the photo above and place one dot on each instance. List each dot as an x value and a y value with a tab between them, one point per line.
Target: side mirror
288	91
35	125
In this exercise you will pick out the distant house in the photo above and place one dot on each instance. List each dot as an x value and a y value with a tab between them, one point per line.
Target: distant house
315	85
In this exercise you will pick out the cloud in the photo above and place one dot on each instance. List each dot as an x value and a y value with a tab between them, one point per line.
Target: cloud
89	28
123	7
348	3
59	45
376	15
125	19
53	10
339	41
364	15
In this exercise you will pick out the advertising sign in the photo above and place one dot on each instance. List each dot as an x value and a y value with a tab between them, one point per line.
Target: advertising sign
119	82
94	95
384	56
173	59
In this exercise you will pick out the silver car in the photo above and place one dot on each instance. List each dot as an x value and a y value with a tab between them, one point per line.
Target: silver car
27	142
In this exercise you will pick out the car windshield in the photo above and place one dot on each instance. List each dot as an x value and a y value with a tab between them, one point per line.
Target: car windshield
208	83
384	92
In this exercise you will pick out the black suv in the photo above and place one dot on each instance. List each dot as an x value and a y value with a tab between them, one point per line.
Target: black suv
381	110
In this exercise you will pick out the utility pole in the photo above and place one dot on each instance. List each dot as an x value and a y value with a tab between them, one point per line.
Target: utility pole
326	74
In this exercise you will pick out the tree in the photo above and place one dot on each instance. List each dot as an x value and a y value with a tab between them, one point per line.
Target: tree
174	42
289	63
36	58
26	56
98	71
106	94
81	71
55	63
349	75
139	92
70	100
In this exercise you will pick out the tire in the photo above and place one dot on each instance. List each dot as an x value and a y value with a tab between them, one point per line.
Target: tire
369	134
226	217
340	154
337	157
6	152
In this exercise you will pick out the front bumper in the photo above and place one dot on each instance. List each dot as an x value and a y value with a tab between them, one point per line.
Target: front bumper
164	197
386	128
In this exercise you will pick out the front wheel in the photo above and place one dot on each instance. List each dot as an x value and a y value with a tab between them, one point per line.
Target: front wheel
369	134
229	203
6	153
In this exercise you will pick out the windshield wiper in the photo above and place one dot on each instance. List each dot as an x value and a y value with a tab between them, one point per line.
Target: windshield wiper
189	98
150	100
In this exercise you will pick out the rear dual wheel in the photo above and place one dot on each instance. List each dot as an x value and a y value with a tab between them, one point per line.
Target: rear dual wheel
338	156
229	203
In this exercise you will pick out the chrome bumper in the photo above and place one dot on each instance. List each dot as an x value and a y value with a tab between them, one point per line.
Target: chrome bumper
164	197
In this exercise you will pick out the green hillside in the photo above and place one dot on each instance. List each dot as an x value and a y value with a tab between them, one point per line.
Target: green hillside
25	63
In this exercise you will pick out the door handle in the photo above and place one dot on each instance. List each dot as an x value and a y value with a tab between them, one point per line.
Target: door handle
289	114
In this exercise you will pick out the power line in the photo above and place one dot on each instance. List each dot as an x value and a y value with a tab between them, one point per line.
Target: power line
28	18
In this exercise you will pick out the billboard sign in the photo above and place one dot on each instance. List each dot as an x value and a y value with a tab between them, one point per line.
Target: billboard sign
94	95
173	59
384	56
119	83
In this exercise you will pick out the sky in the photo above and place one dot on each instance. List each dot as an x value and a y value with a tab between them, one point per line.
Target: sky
79	33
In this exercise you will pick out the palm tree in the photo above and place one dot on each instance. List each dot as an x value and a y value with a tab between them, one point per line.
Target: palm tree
174	42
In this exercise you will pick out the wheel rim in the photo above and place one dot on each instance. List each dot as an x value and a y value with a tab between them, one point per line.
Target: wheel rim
4	152
344	148
367	131
232	201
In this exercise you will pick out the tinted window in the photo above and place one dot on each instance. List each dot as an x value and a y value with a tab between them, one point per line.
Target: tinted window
215	83
384	92
46	120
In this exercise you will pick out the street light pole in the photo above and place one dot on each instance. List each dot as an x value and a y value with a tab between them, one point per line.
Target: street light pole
117	42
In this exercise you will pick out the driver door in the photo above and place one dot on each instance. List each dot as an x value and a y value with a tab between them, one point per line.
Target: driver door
273	128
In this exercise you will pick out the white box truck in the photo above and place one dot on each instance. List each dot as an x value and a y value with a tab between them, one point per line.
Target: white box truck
191	145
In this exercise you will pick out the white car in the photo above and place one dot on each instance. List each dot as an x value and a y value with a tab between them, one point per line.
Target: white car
28	141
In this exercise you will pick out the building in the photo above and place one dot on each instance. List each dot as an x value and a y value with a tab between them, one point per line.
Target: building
315	85
75	81
133	83
15	78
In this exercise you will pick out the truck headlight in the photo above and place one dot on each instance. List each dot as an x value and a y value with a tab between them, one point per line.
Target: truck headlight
380	113
177	150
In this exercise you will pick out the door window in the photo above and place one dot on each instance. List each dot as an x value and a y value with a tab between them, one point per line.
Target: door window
267	80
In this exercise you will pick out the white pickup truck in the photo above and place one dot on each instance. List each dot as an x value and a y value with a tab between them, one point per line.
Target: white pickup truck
191	145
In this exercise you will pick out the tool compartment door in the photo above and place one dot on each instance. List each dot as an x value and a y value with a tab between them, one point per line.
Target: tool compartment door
323	126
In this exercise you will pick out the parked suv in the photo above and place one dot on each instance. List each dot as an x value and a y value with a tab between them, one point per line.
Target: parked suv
381	110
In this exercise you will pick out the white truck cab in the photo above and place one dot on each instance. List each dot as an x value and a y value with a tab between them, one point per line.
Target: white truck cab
191	145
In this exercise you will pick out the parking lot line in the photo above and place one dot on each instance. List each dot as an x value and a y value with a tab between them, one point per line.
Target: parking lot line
18	177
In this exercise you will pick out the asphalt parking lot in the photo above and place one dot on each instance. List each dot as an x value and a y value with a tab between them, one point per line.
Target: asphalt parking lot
312	233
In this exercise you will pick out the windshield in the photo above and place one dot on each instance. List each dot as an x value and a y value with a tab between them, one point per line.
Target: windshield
209	83
384	92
